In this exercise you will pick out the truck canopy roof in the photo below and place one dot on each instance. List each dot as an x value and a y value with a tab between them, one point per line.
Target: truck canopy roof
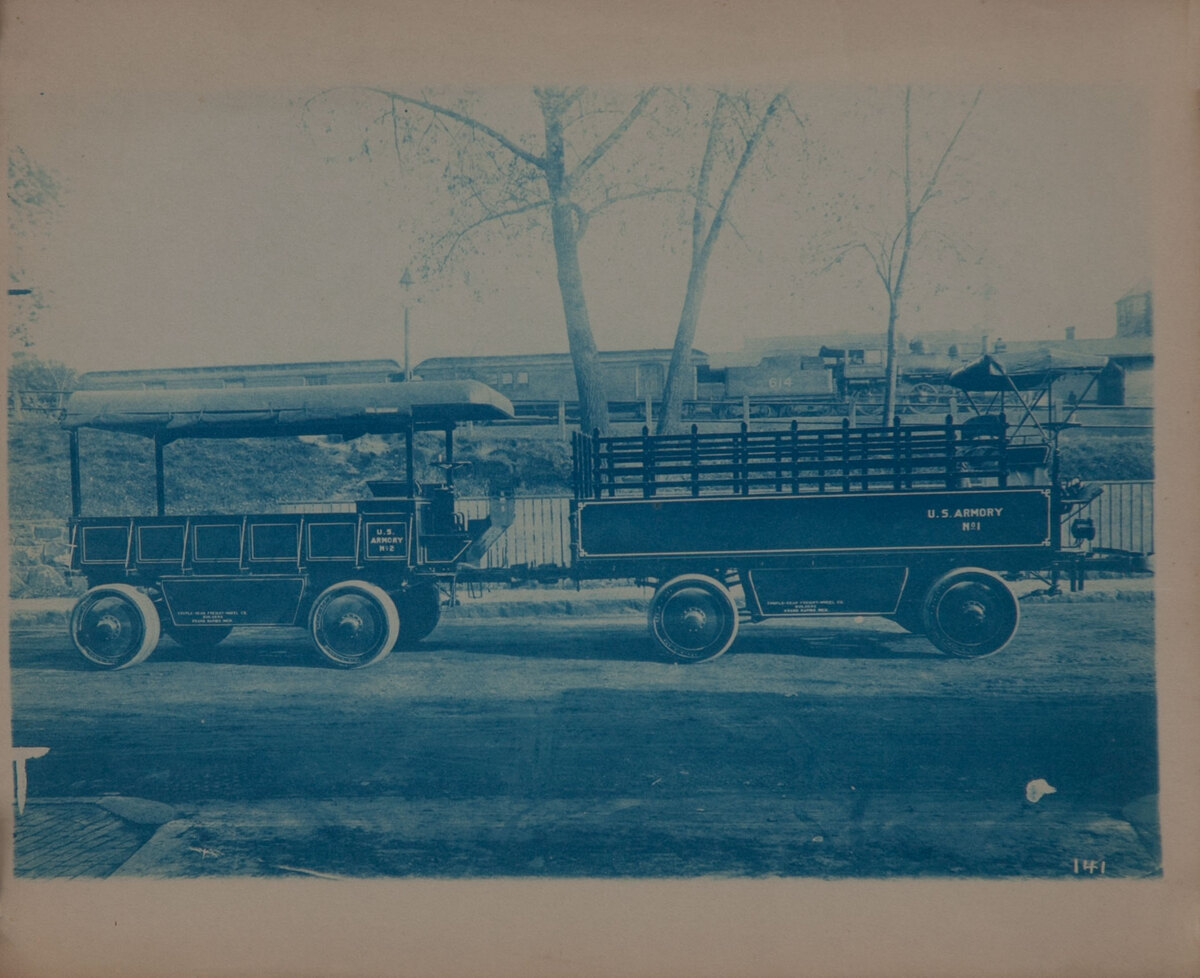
1023	371
267	412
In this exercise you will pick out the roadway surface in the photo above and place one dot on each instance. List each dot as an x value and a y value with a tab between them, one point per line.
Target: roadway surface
560	746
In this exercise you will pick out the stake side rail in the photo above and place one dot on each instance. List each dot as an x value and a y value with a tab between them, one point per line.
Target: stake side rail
794	460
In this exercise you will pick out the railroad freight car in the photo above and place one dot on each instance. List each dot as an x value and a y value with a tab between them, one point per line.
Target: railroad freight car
318	373
537	383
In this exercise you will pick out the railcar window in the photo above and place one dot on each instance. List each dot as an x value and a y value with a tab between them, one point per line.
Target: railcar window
506	379
523	378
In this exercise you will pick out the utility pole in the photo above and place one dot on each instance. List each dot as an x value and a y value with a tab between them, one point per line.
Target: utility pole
406	281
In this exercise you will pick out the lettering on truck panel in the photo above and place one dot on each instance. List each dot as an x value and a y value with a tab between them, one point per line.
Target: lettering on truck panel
972	516
387	540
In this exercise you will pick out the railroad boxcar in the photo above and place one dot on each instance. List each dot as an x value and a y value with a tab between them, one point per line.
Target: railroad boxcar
312	374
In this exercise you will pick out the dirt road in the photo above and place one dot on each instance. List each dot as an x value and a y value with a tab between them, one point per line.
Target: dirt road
561	746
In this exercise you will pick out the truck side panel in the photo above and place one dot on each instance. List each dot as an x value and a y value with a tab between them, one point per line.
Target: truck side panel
837	522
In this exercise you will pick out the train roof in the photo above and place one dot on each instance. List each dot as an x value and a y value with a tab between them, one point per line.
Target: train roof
283	374
264	412
532	359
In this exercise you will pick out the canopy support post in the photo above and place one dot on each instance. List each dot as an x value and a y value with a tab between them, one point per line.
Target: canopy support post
449	455
76	495
160	486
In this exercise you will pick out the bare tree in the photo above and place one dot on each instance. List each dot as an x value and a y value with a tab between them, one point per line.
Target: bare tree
890	251
33	201
707	222
506	181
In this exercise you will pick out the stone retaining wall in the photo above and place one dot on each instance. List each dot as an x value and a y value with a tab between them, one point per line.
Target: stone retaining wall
39	556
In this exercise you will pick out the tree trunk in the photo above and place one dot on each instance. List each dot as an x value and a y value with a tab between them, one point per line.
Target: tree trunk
681	355
892	370
589	377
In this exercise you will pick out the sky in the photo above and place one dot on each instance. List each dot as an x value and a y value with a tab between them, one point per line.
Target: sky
254	226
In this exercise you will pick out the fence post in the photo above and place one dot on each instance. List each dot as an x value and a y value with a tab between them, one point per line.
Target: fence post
897	456
648	488
562	419
745	466
951	470
695	460
820	461
845	454
1002	461
795	457
865	464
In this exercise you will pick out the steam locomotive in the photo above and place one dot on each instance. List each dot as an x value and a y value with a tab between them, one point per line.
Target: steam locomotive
778	385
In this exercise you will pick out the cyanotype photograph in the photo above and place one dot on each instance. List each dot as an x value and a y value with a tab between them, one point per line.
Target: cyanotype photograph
662	478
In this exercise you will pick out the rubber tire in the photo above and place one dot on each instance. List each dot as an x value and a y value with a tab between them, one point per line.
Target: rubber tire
199	638
970	612
132	617
372	602
420	608
691	603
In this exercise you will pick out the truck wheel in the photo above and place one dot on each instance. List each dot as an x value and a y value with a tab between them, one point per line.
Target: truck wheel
693	618
115	626
970	612
420	608
353	624
199	638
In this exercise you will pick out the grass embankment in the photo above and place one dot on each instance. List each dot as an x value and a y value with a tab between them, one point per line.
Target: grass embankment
257	474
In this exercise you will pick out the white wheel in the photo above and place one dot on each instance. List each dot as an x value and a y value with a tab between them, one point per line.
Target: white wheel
693	618
970	612
353	624
115	626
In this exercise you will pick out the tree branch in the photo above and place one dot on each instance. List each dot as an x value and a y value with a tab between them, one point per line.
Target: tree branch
467	229
516	149
929	187
606	144
751	144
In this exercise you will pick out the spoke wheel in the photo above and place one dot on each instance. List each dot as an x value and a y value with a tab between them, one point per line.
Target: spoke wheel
970	613
922	396
115	626
199	638
693	618
420	607
353	624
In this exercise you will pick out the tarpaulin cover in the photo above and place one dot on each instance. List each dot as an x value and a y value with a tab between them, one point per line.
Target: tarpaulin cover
1024	371
264	412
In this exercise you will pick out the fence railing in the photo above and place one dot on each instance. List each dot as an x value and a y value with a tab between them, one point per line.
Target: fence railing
1124	516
